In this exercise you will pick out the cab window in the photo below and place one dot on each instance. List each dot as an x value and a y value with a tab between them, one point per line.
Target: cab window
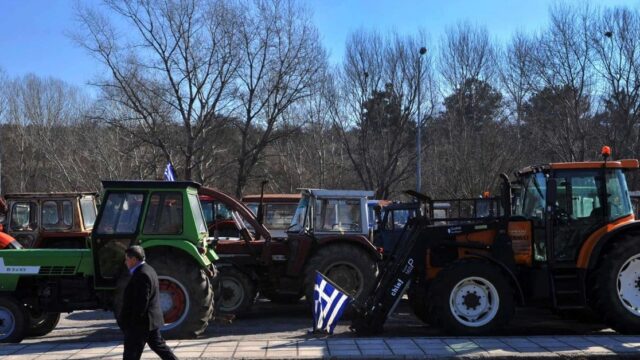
164	214
24	216
121	213
337	215
532	197
57	215
88	208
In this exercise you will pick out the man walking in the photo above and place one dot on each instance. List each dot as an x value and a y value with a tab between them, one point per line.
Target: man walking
141	316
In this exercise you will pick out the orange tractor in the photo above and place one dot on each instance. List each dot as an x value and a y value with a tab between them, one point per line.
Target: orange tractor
564	237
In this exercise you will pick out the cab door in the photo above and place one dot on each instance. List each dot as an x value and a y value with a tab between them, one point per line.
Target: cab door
576	209
116	229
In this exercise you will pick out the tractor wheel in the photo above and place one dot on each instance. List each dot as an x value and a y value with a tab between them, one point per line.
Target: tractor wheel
238	292
280	298
471	297
41	324
13	320
616	286
186	296
348	266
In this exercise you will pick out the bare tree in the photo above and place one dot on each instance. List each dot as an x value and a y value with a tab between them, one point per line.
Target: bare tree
376	113
175	68
615	35
562	65
471	132
283	62
42	114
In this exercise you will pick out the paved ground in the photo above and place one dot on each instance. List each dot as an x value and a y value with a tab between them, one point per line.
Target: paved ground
365	348
275	331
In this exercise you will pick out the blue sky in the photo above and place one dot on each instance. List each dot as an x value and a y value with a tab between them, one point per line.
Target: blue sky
33	40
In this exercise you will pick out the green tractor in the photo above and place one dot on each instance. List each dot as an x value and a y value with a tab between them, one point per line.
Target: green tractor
165	218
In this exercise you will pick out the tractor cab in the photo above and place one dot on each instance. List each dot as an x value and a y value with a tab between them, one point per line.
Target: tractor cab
327	212
564	203
153	213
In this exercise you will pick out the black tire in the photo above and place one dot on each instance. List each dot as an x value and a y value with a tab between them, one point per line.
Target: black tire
41	324
472	284
616	269
348	266
238	292
279	298
189	289
13	320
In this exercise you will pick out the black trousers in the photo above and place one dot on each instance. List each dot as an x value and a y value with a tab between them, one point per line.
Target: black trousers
134	342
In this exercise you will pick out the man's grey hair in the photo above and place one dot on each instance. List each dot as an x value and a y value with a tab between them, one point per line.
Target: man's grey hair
135	251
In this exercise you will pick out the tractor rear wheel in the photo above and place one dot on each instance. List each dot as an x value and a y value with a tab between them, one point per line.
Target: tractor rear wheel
41	324
238	291
186	295
616	286
348	266
13	320
471	297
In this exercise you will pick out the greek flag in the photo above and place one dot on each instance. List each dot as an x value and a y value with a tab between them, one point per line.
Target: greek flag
169	173
329	304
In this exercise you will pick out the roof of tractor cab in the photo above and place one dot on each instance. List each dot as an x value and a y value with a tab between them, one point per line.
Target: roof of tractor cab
614	164
273	198
145	184
338	193
48	195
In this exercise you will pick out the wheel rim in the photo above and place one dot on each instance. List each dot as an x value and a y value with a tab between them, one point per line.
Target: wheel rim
346	276
232	294
174	302
474	301
7	323
628	284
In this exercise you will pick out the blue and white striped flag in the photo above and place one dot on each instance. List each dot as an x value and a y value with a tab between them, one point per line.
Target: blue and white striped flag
169	173
328	304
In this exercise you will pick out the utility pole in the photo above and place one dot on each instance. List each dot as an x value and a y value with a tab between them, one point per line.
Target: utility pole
423	50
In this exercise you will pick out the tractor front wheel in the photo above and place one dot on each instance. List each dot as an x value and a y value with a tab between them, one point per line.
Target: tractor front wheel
41	324
238	292
616	286
186	296
13	320
471	297
348	266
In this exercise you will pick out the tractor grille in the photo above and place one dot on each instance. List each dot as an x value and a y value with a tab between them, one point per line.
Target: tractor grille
57	270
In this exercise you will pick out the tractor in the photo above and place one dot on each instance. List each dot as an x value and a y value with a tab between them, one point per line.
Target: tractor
165	218
50	220
563	236
329	232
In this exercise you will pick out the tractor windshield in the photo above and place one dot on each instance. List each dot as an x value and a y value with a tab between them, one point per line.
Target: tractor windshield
618	195
531	198
298	220
198	215
337	215
89	212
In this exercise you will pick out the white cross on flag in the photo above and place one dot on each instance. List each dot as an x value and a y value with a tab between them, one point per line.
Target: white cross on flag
169	173
328	304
